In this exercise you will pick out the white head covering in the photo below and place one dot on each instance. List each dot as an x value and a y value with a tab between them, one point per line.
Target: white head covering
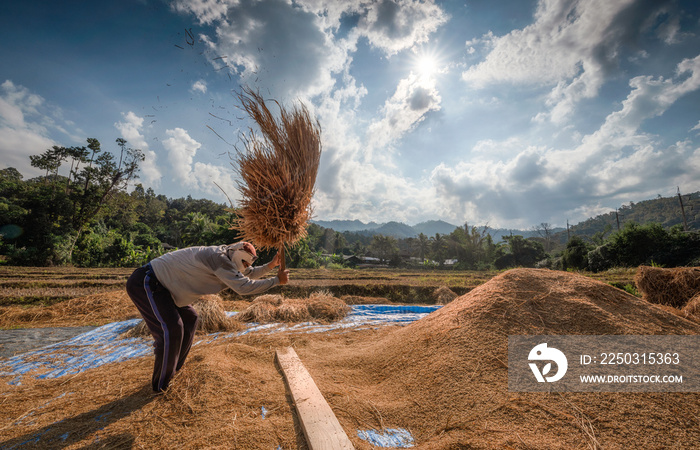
239	252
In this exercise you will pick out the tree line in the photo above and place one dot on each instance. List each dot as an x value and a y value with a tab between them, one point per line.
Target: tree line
98	216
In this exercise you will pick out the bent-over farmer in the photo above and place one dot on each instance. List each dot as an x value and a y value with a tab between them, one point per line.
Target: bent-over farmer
164	289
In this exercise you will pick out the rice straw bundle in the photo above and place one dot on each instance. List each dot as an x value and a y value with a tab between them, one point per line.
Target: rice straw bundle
319	306
444	295
674	287
277	172
212	318
261	310
692	308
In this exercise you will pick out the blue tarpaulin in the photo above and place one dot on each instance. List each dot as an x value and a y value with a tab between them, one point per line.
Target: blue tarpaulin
390	437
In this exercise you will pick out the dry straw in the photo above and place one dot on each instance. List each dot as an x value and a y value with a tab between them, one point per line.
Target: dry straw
277	170
692	308
674	287
212	318
319	306
444	295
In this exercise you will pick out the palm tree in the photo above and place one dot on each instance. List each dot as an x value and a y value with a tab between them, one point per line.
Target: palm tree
195	227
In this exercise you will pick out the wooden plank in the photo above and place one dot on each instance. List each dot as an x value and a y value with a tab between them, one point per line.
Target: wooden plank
321	427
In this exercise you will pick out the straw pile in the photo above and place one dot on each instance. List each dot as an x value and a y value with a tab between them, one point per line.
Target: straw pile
95	309
444	295
277	172
692	308
319	306
674	287
445	377
212	318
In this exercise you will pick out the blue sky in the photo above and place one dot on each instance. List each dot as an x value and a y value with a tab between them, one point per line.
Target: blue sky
506	113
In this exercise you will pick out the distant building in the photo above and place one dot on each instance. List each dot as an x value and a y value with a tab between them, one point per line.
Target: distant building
362	261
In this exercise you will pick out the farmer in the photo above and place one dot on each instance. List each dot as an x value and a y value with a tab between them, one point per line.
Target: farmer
164	289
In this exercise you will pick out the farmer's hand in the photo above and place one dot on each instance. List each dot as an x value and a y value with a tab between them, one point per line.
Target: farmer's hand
275	261
283	276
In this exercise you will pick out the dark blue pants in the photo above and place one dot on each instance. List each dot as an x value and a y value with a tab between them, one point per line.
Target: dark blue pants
172	327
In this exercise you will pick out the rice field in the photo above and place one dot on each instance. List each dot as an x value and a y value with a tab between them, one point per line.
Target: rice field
50	285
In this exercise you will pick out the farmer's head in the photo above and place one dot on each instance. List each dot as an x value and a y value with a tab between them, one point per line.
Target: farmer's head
242	255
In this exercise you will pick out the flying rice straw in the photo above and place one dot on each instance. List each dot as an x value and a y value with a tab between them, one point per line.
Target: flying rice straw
277	173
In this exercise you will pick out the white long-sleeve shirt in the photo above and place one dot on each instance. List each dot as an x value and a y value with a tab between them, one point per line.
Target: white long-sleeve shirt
191	272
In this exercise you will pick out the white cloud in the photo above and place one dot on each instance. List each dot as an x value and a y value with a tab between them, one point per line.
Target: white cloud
611	165
394	26
207	11
572	45
413	99
20	133
182	150
351	185
273	43
130	130
651	97
199	86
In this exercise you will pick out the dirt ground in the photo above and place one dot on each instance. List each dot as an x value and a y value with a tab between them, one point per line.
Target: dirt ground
444	378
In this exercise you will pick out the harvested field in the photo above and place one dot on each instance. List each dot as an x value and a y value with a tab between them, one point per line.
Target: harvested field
47	286
444	378
36	286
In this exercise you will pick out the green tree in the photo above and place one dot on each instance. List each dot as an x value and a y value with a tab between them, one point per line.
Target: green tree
518	252
385	247
439	249
301	256
98	182
575	256
423	246
637	244
49	161
339	243
197	229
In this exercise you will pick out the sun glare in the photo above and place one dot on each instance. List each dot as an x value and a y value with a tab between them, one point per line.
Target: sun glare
426	66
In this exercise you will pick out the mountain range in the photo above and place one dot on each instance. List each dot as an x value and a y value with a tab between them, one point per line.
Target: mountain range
400	230
667	211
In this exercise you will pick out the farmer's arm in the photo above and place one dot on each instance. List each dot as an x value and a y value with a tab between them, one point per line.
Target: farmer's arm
255	273
244	285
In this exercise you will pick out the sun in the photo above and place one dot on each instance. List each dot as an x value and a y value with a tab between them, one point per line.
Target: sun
426	66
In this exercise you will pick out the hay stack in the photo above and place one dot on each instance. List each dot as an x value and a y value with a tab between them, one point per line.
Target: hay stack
674	287
692	309
444	295
445	377
277	172
212	318
261	310
319	307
